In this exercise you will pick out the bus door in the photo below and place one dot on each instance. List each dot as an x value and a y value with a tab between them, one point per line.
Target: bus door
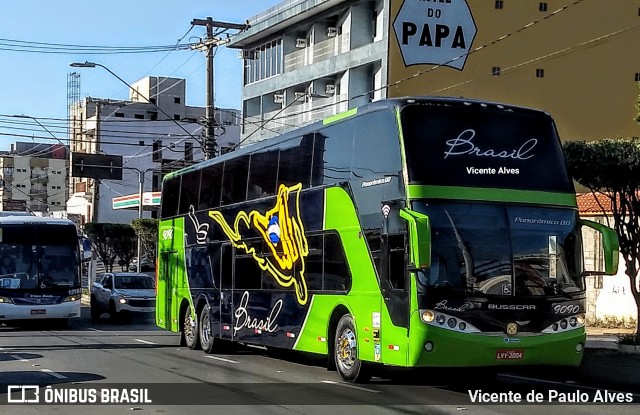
226	292
166	274
394	284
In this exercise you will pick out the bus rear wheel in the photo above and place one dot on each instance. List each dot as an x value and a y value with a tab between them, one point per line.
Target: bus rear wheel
207	339
190	330
350	368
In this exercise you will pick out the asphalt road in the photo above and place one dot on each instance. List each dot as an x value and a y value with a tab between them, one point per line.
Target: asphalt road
121	361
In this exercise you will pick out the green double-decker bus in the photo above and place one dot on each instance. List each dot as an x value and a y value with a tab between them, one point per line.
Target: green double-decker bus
409	232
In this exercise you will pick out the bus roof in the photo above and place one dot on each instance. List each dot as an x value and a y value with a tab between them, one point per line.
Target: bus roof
374	106
32	219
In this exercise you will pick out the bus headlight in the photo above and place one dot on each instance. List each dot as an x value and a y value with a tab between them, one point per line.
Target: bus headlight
428	316
441	320
123	301
5	300
566	324
71	298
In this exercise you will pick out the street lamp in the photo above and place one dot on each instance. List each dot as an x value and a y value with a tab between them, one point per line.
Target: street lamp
41	126
88	64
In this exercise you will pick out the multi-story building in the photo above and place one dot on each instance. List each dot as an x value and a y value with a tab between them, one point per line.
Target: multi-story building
573	59
34	178
153	137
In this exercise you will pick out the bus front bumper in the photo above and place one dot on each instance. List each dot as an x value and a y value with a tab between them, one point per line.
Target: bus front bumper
444	348
70	309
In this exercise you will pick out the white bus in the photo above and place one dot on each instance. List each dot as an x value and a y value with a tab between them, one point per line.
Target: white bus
39	269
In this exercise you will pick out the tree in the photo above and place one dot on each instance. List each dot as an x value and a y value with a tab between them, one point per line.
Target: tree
111	241
612	166
147	231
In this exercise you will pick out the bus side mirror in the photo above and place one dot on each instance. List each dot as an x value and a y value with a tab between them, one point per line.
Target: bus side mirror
610	245
419	238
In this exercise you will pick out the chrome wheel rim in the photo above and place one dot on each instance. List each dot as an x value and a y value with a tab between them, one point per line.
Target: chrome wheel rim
189	327
346	349
205	330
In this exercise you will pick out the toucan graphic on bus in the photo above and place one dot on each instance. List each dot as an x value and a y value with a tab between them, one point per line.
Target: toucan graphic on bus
282	229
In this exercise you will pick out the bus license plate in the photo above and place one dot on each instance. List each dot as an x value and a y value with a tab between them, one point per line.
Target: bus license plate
509	354
36	312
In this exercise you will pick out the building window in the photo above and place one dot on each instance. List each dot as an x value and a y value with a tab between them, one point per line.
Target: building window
637	76
499	4
176	116
176	100
153	101
263	62
539	73
153	115
543	7
119	114
157	151
139	116
495	71
188	151
141	143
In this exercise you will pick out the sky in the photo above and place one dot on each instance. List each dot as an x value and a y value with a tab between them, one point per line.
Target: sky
35	84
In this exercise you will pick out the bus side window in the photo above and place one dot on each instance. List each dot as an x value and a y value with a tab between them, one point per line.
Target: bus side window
210	187
234	180
247	273
226	267
397	261
335	143
377	147
170	197
189	191
262	174
295	162
336	271
313	265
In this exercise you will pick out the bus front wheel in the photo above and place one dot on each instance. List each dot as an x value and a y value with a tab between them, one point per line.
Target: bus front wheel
190	330
207	340
350	368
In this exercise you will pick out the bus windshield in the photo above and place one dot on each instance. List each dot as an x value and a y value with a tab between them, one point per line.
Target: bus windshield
503	250
483	146
36	257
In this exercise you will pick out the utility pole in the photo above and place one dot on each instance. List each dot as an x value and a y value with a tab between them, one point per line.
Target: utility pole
208	45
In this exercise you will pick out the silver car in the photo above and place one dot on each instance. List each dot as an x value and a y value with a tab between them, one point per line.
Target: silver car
122	292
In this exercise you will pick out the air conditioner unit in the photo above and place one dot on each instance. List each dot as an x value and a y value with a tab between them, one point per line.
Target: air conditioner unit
332	31
299	95
330	89
278	98
246	54
301	43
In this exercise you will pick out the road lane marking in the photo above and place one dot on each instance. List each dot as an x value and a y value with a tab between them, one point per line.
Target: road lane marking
222	359
54	374
360	388
20	358
144	341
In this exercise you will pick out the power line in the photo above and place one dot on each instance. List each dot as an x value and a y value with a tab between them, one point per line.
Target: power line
44	47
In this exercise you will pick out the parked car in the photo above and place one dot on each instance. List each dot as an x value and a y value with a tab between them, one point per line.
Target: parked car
147	266
122	292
